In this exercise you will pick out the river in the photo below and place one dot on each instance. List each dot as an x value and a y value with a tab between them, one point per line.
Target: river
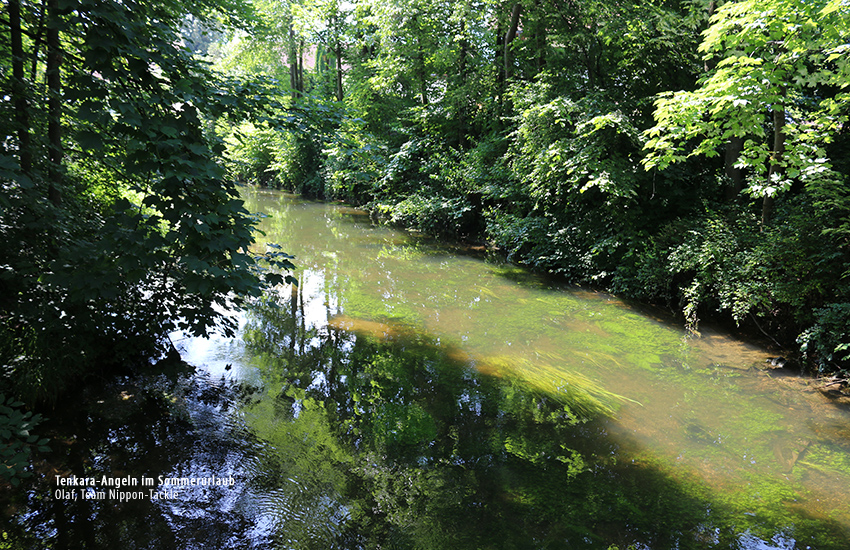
408	394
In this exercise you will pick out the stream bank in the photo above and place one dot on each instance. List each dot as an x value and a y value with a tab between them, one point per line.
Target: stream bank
406	396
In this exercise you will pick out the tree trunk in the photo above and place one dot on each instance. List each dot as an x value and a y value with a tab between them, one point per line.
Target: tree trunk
293	63
300	72
769	201
509	37
294	291
54	104
734	146
19	88
37	40
338	54
710	63
590	63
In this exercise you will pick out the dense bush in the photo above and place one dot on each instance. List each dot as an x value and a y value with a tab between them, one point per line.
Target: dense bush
252	154
354	163
298	165
723	262
117	223
16	440
452	217
827	341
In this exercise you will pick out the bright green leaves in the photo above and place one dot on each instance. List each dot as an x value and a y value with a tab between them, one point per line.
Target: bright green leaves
770	55
729	270
566	147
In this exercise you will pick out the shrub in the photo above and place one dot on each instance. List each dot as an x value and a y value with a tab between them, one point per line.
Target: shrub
827	342
251	153
435	215
16	440
354	162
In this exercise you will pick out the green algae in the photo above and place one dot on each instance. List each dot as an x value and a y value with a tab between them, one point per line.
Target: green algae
698	419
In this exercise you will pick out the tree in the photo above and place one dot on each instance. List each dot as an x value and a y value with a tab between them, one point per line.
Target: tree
119	226
324	22
273	47
779	84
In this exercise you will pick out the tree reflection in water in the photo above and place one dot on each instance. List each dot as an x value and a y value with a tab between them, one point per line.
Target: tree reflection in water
143	426
382	437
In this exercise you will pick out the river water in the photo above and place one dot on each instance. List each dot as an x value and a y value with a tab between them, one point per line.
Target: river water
410	395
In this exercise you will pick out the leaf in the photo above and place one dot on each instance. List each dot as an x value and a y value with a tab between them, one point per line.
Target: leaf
89	140
832	7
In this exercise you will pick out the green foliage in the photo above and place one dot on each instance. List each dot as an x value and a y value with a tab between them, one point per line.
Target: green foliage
298	165
832	197
771	55
722	261
16	440
251	153
354	162
543	243
259	52
424	185
576	184
542	145
827	342
283	149
137	231
565	148
726	267
435	215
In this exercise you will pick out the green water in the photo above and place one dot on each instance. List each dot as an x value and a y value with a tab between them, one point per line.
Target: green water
425	398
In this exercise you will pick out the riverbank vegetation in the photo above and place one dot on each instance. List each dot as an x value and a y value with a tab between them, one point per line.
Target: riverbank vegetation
118	224
690	154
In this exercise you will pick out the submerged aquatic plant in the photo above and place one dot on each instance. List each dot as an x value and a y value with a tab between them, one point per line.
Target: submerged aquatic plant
578	393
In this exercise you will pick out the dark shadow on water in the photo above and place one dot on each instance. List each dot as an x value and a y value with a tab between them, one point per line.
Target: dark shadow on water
135	428
369	434
433	450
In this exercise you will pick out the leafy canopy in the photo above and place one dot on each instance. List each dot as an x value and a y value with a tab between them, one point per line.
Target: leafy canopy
770	55
145	234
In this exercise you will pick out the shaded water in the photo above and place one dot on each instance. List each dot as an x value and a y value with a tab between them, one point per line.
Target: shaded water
407	396
751	456
167	423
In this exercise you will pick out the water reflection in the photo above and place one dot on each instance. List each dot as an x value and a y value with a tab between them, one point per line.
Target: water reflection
143	427
379	437
409	397
420	360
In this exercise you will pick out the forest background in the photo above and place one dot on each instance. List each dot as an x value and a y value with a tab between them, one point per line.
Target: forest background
690	154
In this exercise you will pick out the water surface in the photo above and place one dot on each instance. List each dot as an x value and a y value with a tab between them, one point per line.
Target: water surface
408	394
757	457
